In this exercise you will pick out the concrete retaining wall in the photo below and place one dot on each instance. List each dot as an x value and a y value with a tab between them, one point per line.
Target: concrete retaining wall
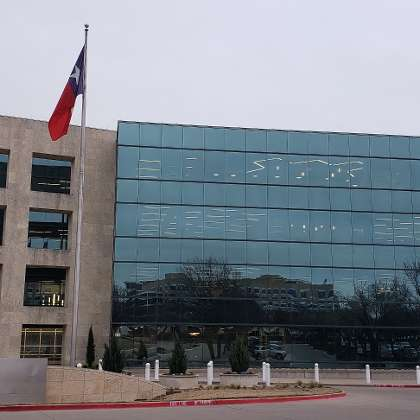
76	385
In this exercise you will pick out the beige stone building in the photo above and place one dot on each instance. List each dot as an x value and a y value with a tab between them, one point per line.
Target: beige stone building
38	204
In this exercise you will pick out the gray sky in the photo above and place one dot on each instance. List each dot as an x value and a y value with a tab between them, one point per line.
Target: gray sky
341	65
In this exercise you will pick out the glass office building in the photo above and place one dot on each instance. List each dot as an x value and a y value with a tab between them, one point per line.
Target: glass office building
305	242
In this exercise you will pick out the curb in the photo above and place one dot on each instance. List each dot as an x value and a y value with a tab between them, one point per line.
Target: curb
375	385
163	404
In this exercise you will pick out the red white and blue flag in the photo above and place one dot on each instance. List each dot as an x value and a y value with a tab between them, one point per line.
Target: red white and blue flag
60	118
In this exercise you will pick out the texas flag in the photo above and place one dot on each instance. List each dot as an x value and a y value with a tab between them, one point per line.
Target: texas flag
60	119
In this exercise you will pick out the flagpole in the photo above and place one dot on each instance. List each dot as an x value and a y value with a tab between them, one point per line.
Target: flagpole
76	288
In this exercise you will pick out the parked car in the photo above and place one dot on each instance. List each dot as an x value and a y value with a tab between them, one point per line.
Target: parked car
277	352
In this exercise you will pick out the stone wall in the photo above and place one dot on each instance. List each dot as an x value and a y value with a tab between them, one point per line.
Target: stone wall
76	385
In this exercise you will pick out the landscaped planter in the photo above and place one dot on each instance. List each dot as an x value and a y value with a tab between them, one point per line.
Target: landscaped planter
179	381
240	379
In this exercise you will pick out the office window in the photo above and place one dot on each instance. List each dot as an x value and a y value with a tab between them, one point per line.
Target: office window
41	341
48	230
4	159
2	212
44	286
51	175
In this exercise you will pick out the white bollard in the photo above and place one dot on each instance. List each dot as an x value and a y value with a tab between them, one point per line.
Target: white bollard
264	373
268	374
418	375
368	379
156	370
147	372
316	373
100	364
210	373
79	365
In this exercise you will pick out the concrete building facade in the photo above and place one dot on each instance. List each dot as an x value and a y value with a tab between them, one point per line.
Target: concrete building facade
37	269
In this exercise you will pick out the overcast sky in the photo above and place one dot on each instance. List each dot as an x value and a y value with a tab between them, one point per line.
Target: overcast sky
339	65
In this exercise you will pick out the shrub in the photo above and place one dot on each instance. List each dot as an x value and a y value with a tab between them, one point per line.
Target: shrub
239	357
113	360
178	360
142	351
90	349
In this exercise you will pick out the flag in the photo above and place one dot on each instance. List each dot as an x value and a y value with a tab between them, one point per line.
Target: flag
60	118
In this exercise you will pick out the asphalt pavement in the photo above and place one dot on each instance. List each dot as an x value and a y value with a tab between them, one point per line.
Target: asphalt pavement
360	404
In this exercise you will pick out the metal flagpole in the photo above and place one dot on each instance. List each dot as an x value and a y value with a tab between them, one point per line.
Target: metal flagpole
76	287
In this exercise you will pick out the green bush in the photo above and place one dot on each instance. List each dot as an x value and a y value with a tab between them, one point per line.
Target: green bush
142	351
113	360
178	360
90	350
239	356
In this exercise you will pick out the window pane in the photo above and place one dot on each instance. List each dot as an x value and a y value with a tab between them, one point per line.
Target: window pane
128	133
256	196
379	146
128	162
149	191
401	176
171	136
299	225
127	190
171	192
214	166
171	164
256	140
126	220
277	141
341	228
214	138
192	193
320	226
256	168
193	137
338	144
48	230
319	198
278	225
151	135
193	165
51	175
235	195
381	200
256	224
234	167
150	163
399	146
359	145
235	139
362	228
401	201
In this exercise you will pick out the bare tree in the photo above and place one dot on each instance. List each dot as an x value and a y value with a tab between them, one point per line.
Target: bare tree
412	271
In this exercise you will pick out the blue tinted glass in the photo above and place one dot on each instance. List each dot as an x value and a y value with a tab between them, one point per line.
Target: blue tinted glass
235	139
171	136
340	199
415	173
236	252
171	221
256	196
277	169
401	201
193	137
359	145
256	224
256	140
338	144
320	226
234	166
341	229
214	138
192	193
128	162
415	147
403	229
381	200
361	200
382	228
214	194
363	256
343	282
298	170
151	135
277	141
299	225
148	220
362	227
126	219
298	197
318	143
299	254
278	225
318	171
125	272
128	133
150	163
384	256
404	255
399	146
379	146
171	192
170	250
319	198
256	168
279	196
192	251
127	190
192	222
340	170
214	222
149	192
299	142
278	253
214	166
235	223
321	255
193	165
360	172
215	250
235	195
401	176
257	252
125	249
171	164
342	255
415	197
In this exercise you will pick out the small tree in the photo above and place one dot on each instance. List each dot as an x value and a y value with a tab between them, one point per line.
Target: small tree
178	360
239	357
142	351
113	360
90	349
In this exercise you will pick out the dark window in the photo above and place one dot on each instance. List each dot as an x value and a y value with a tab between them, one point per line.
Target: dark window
51	175
42	341
48	230
3	169
44	286
2	211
